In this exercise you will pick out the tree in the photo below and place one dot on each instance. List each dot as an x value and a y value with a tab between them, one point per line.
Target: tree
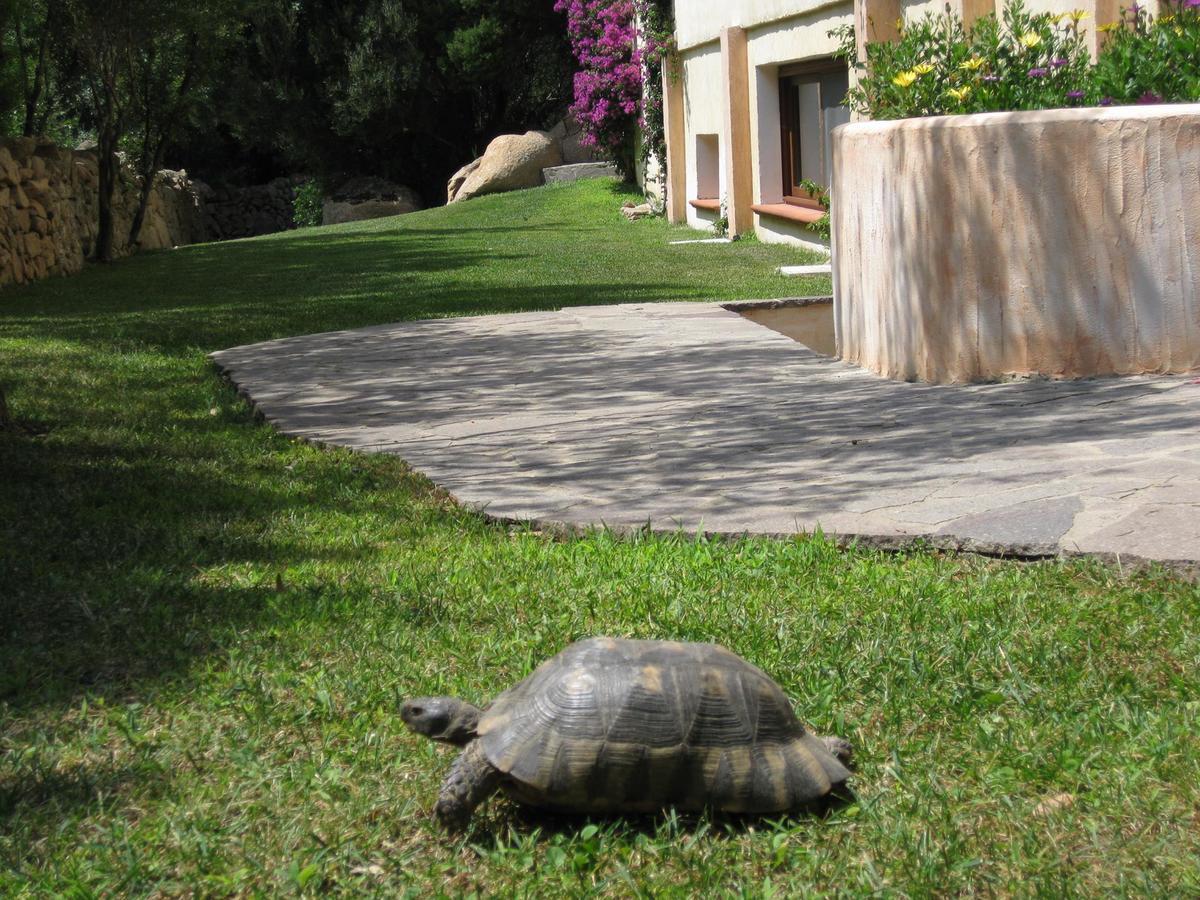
167	74
409	91
27	29
105	35
139	62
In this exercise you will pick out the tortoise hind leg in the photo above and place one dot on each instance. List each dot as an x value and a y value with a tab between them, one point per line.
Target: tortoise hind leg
472	779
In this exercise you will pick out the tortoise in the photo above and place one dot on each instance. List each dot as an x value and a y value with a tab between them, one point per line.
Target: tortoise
625	726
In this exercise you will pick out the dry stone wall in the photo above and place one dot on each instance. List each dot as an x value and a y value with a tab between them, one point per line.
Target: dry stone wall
249	211
49	210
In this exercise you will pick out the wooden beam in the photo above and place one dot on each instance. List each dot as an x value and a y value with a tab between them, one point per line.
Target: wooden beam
735	74
970	10
876	21
1104	12
676	135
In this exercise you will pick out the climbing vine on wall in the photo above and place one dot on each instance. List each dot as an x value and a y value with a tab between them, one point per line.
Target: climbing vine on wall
658	52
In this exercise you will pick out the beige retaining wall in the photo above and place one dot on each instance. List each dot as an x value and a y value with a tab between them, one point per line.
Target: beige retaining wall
1063	242
48	210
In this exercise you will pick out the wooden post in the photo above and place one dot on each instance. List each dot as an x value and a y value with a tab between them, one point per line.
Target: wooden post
970	10
676	135
736	144
1104	12
876	21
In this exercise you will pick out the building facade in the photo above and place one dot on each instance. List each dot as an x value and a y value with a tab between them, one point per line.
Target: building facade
757	92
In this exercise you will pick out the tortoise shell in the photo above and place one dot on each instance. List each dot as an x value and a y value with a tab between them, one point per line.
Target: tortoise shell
634	726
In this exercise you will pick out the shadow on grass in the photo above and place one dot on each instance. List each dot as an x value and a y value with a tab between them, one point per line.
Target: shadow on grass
214	296
104	577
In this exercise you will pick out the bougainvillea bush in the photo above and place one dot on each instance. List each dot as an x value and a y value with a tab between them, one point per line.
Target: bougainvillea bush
1151	60
608	86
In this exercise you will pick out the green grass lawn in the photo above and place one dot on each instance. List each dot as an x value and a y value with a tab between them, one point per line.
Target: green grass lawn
206	629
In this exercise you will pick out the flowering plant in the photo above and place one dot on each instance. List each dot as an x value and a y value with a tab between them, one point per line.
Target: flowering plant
1148	60
1021	60
608	86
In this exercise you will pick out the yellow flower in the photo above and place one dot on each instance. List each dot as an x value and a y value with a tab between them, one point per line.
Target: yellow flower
1030	39
1109	26
922	68
1179	31
961	93
1078	15
1164	19
904	79
973	64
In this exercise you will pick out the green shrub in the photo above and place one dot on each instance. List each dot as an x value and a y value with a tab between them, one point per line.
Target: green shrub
1022	60
821	194
1147	60
308	204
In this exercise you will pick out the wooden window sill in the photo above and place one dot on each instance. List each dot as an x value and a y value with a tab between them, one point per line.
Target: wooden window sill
712	205
801	214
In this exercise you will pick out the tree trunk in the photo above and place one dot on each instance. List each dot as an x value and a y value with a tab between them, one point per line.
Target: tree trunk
152	161
33	96
108	184
139	216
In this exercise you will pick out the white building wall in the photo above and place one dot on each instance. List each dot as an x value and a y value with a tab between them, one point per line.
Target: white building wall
702	110
792	40
779	32
700	21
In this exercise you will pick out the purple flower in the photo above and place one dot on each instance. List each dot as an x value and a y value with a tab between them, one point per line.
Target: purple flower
1038	73
1149	97
1057	63
1192	4
991	79
1106	101
1074	95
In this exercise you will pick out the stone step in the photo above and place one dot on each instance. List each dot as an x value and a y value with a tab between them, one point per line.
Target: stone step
795	271
579	172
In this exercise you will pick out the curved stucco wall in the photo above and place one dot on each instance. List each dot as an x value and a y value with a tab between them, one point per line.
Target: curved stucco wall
1061	242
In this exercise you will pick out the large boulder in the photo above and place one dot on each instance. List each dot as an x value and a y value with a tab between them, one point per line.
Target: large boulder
368	198
511	162
454	185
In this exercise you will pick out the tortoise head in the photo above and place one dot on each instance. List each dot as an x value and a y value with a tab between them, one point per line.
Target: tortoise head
445	719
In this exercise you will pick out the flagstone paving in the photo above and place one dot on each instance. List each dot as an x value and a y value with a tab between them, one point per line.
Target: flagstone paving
688	416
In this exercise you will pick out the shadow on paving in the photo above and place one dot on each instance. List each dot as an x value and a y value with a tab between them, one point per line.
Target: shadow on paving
612	419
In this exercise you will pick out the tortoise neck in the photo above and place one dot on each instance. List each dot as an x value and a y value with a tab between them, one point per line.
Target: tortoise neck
463	727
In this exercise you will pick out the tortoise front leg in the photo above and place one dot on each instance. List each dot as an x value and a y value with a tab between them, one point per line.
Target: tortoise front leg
839	748
472	780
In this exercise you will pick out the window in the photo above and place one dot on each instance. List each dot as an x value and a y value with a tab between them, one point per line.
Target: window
708	173
708	167
811	98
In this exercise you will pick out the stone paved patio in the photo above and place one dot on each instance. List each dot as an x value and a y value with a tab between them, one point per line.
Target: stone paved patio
688	416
